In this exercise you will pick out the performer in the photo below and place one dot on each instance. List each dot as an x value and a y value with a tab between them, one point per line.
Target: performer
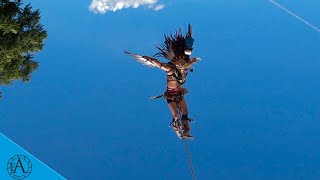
177	49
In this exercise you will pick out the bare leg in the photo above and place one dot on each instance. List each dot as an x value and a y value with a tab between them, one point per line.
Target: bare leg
183	106
174	110
175	114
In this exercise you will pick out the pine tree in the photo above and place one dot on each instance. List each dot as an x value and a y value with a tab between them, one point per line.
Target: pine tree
21	35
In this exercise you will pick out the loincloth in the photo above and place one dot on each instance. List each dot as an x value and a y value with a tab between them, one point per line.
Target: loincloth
175	95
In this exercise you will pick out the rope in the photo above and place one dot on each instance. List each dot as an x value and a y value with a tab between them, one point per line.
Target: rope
187	148
189	158
294	15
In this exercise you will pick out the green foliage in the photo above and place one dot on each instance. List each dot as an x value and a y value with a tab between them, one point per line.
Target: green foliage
21	35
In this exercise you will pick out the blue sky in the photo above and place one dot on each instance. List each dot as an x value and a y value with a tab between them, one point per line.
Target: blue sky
255	96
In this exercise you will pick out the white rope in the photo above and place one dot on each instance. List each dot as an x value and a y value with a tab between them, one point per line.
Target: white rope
294	15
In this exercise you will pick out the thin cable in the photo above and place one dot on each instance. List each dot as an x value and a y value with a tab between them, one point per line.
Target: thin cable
294	15
189	158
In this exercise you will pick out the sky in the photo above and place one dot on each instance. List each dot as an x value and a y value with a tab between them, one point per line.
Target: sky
254	96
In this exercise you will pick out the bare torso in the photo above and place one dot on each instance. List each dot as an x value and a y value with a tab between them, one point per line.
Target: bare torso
173	84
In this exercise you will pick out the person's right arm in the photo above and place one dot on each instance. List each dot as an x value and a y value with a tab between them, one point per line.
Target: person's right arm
157	63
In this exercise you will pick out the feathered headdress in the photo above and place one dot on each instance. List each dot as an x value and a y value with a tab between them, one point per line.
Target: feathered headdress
176	46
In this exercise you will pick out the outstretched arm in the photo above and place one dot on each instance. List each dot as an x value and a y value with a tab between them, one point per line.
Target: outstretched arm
192	61
157	63
149	61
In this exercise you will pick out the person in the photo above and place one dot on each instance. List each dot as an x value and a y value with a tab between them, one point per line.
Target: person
177	49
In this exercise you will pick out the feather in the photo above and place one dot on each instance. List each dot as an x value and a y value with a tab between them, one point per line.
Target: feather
142	59
170	54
